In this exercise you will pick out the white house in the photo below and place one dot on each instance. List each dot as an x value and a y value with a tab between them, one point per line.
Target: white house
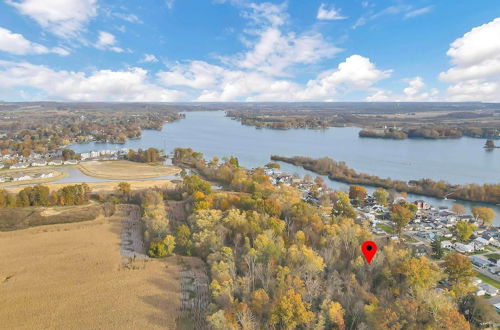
446	244
2	179
84	155
464	248
55	163
489	289
21	177
39	164
71	162
18	166
482	241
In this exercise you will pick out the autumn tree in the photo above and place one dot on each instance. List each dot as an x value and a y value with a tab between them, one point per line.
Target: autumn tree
357	194
341	206
400	215
464	230
381	196
459	209
485	214
183	239
290	311
124	189
437	249
460	272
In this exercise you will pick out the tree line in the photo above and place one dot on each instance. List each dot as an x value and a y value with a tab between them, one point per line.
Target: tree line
150	155
339	171
41	195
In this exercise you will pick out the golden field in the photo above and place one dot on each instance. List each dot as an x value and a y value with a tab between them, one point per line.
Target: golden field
125	170
70	276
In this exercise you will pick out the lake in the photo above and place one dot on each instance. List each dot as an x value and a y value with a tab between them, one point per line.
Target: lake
456	161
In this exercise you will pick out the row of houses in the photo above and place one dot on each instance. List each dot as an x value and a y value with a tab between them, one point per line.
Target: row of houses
43	164
109	154
25	177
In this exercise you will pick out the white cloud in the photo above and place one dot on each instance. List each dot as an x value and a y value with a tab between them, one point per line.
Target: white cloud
329	14
416	91
476	59
220	84
107	41
15	43
64	18
170	3
418	12
149	58
130	85
355	73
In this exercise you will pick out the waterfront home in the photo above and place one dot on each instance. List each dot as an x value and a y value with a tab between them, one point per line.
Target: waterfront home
84	155
55	163
94	154
2	179
70	162
39	164
480	262
43	175
18	166
446	244
464	248
21	177
422	205
489	289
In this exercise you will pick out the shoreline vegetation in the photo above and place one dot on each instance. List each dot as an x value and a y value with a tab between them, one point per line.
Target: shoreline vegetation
384	124
339	171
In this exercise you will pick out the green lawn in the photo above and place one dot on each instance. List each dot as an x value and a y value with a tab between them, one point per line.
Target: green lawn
386	228
495	256
488	280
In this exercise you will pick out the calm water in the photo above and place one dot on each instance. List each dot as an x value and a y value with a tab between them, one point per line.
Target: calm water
456	161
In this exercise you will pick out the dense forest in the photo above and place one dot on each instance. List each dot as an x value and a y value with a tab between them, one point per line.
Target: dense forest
277	262
339	171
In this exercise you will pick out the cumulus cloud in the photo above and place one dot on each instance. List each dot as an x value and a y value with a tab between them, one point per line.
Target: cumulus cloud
17	44
221	84
476	60
331	14
107	41
63	18
130	85
416	91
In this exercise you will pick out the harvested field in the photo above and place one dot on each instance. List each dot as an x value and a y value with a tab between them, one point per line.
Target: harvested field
71	276
125	170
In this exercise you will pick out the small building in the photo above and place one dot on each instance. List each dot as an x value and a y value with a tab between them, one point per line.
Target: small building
446	244
55	163
419	250
18	166
3	179
21	177
489	289
39	164
422	205
480	262
464	248
71	162
482	241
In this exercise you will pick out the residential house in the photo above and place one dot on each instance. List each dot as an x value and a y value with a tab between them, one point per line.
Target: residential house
2	179
422	205
19	166
39	164
419	250
480	262
70	162
55	163
21	177
489	289
464	248
446	244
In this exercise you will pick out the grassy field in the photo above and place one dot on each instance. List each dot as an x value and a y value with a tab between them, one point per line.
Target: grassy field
70	276
125	170
21	218
495	256
488	280
386	228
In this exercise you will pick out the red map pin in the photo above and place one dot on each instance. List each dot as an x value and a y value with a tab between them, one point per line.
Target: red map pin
369	249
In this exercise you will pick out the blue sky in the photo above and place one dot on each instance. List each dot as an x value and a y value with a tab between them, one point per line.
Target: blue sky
237	50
